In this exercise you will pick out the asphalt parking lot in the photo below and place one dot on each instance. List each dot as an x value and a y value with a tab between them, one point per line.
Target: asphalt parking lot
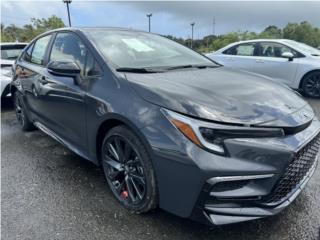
49	192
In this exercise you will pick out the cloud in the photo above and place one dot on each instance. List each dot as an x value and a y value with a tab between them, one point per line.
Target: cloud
234	15
169	17
20	12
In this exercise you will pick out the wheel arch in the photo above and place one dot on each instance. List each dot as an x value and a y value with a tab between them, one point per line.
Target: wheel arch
112	121
311	71
13	89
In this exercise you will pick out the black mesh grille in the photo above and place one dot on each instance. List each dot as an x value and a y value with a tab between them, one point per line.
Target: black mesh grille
295	172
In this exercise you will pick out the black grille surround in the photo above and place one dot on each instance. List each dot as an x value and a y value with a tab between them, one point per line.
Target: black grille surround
295	173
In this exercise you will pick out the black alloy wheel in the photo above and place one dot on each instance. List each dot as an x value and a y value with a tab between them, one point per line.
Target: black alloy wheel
128	170
311	85
20	111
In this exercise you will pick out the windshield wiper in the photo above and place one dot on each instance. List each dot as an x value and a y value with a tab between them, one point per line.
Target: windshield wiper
136	70
162	69
192	66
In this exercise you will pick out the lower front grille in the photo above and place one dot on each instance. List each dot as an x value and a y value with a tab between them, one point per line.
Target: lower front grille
295	172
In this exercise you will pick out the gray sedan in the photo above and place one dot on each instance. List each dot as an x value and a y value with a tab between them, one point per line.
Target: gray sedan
169	127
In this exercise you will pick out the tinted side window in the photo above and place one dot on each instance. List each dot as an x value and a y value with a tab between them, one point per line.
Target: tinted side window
246	49
39	50
275	50
11	52
230	51
68	46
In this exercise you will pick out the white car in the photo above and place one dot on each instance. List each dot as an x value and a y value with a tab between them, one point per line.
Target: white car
9	53
290	62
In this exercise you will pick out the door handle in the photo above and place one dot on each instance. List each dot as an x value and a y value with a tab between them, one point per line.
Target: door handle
259	61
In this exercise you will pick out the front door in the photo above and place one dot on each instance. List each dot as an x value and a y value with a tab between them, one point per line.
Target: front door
63	98
240	56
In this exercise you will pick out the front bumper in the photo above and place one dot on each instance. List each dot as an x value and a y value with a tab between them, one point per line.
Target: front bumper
233	212
193	183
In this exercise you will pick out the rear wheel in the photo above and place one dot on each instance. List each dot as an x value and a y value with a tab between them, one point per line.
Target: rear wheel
20	111
311	84
129	170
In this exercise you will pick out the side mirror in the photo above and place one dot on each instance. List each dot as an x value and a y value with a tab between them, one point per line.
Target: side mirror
288	55
65	68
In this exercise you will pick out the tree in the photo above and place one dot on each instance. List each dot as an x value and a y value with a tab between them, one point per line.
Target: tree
223	40
10	33
247	35
13	33
303	32
271	32
51	23
4	36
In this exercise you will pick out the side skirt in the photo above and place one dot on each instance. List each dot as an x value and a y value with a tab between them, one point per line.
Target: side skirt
60	140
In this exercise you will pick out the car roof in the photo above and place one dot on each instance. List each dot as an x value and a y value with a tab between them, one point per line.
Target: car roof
109	28
263	40
88	29
283	41
13	44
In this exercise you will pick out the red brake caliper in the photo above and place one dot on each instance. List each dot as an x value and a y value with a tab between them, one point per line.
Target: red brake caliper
124	194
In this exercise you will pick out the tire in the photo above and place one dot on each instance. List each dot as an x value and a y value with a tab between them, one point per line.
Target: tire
128	170
311	84
21	114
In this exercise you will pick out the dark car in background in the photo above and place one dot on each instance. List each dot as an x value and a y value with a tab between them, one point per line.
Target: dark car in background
169	127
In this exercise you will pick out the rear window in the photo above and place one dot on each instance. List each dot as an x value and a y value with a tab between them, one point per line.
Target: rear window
244	49
11	52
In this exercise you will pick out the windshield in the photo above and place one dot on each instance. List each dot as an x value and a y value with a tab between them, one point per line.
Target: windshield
11	52
303	47
129	49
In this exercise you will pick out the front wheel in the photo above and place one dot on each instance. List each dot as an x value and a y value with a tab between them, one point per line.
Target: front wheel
129	171
20	111
311	84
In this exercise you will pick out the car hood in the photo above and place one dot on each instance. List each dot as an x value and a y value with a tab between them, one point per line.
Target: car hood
223	95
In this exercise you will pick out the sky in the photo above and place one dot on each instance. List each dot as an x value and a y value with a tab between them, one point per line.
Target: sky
169	17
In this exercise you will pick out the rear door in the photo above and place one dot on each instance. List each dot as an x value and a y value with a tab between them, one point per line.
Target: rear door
240	56
29	70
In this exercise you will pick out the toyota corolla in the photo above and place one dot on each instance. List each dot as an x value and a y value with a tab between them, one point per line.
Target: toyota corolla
170	128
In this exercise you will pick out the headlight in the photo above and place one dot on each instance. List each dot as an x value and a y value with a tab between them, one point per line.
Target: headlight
211	136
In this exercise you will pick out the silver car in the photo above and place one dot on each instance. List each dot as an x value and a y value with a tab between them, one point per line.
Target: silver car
9	53
286	61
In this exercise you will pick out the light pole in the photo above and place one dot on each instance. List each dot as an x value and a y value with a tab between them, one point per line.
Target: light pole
68	2
149	18
214	27
192	25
